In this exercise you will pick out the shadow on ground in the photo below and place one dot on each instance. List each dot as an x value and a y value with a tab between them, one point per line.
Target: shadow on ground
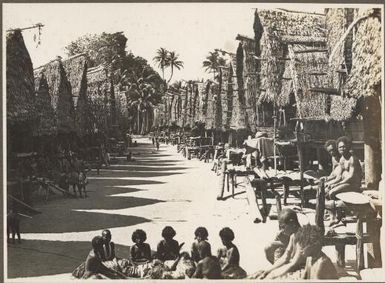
25	260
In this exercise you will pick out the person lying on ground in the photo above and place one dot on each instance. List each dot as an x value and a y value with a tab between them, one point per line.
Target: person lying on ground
201	235
228	256
208	267
306	242
168	248
141	251
288	225
93	267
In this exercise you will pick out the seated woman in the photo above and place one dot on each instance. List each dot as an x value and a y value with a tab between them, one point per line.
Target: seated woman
168	248
229	256
288	225
93	267
208	267
141	251
306	243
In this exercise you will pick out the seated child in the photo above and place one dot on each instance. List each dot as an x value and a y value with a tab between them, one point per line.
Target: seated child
229	256
208	267
288	225
108	255
305	243
168	248
93	268
201	235
141	251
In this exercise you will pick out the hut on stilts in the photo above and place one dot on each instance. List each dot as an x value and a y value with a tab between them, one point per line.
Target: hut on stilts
46	128
60	92
76	70
21	111
99	94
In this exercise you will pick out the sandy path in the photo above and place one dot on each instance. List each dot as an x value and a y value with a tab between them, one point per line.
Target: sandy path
157	189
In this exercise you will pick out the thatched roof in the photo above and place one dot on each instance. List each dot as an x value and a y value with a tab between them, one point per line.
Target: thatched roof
365	76
294	61
20	82
47	123
60	92
76	70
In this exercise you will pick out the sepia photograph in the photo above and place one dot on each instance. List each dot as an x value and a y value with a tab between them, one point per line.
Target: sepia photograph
193	141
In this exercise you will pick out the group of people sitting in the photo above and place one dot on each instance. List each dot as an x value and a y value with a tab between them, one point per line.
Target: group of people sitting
168	262
346	175
295	253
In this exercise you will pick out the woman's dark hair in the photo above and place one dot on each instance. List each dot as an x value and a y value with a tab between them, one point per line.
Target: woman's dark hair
347	141
139	234
201	232
97	242
168	232
227	234
288	216
309	235
330	142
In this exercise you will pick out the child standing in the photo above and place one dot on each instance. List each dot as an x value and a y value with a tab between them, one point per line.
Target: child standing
141	251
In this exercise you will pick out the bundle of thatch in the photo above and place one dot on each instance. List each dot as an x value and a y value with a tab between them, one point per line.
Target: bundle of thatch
76	70
98	93
238	118
209	109
226	96
61	95
194	104
20	80
365	76
47	122
250	78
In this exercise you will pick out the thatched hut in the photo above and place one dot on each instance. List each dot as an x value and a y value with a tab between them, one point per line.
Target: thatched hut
61	98
364	83
76	70
21	113
98	93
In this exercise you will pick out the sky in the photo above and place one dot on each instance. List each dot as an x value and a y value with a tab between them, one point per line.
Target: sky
189	29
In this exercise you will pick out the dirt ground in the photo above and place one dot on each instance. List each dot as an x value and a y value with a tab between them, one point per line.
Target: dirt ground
158	188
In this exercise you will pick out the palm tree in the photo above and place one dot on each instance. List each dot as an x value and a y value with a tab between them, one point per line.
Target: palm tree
211	63
162	58
173	62
140	99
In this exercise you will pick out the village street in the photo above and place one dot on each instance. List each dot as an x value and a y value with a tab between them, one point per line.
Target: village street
158	188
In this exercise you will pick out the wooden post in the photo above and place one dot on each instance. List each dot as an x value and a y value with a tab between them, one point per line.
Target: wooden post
360	264
222	180
373	247
320	206
340	249
372	146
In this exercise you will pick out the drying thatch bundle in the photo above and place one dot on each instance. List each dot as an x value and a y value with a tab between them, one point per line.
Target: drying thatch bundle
76	70
365	76
210	105
238	118
61	95
226	96
250	78
20	80
194	103
47	122
98	93
201	101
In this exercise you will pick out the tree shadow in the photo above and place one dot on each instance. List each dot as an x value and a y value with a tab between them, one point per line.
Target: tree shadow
77	221
133	174
41	258
145	168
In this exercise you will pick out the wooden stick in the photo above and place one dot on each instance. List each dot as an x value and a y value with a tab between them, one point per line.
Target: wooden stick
23	204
